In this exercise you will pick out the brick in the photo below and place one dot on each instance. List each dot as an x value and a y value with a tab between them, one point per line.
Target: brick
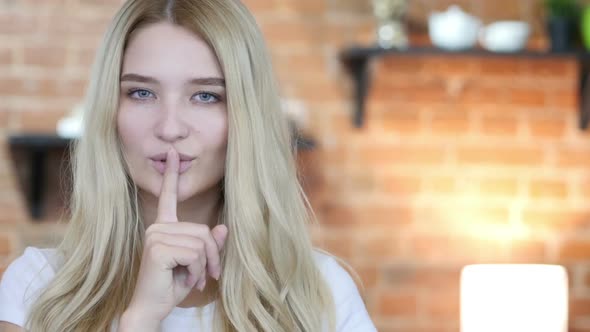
528	97
40	121
441	304
498	124
553	68
379	247
528	251
498	187
398	121
402	154
342	125
334	156
320	91
332	213
42	87
421	277
351	6
6	56
368	273
501	10
526	156
443	248
449	66
441	5
341	246
547	128
400	185
11	24
403	66
5	117
557	219
478	94
556	189
449	123
17	214
578	157
396	304
10	86
304	7
78	27
574	251
7	243
44	56
482	215
260	5
84	57
282	32
565	99
579	308
301	65
392	216
501	67
440	184
587	280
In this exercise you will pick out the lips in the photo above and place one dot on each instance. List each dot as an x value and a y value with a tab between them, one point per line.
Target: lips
159	162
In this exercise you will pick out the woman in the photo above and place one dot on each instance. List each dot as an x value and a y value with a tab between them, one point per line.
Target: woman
186	212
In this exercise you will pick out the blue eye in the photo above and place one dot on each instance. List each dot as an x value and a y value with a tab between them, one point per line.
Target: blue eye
206	97
140	94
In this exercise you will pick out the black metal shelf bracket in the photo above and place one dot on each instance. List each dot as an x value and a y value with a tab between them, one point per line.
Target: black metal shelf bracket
358	67
584	92
357	60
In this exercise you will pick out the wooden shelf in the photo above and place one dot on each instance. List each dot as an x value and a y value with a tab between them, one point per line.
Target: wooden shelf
37	147
356	59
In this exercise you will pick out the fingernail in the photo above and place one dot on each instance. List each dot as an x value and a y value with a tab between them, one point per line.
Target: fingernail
218	273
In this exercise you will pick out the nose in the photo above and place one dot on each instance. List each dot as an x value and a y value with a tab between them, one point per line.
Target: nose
171	126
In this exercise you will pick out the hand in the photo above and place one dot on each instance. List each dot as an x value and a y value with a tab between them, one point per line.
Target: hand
177	256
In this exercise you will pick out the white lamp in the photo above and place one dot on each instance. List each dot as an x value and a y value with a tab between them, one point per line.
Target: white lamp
514	298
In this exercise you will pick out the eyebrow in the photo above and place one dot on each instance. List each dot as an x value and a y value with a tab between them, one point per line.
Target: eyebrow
195	81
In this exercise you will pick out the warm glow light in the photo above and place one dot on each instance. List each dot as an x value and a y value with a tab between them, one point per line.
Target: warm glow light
514	298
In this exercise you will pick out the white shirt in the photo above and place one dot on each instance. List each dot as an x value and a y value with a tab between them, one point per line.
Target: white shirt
26	276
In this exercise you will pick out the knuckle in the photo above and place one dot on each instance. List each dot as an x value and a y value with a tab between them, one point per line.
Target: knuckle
195	257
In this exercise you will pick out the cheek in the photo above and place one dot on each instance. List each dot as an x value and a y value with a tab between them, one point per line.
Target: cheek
130	130
212	130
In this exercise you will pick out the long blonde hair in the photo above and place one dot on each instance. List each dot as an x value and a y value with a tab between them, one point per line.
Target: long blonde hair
270	280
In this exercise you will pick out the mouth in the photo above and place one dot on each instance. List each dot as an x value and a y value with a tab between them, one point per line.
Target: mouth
159	163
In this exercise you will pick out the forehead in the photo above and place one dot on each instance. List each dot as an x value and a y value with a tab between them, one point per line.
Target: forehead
168	51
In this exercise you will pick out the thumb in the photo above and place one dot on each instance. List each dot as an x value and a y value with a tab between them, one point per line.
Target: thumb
219	234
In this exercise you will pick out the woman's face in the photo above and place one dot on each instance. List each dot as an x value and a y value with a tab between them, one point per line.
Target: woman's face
172	95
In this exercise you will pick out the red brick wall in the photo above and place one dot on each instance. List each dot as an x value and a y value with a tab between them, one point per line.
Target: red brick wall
461	160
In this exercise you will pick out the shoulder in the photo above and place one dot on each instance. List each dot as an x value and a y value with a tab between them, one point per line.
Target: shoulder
351	313
22	281
338	277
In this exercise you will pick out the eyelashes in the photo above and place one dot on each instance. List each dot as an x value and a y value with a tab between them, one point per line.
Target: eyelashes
201	97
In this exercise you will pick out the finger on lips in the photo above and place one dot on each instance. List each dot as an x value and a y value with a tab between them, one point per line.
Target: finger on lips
168	191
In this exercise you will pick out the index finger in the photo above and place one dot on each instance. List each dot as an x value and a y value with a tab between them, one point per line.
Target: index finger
168	191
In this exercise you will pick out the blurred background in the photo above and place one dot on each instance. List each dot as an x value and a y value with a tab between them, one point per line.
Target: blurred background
462	157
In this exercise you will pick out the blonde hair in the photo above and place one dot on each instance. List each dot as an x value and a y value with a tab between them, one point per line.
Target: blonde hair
270	280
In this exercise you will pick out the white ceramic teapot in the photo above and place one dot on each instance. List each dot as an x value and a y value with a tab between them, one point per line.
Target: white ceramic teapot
453	29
